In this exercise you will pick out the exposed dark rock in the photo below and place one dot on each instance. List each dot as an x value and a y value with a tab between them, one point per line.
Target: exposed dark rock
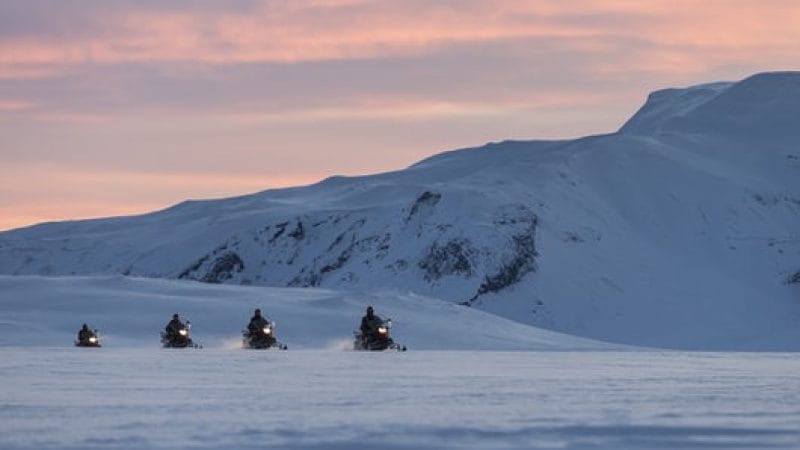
223	268
312	279
775	199
427	199
765	200
188	273
795	279
384	245
513	271
521	262
398	265
336	241
194	267
281	228
340	261
298	233
351	229
453	258
385	242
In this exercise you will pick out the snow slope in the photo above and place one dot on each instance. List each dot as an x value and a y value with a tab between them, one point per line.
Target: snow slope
130	312
680	230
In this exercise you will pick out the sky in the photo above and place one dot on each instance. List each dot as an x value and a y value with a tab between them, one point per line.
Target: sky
124	107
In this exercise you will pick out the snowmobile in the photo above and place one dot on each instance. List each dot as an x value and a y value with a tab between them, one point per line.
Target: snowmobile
91	340
181	339
262	339
378	341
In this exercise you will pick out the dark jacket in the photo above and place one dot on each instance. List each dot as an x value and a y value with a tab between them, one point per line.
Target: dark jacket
84	334
256	324
173	326
369	325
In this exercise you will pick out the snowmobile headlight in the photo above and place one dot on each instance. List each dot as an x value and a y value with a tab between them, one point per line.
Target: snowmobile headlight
183	332
267	330
383	330
93	339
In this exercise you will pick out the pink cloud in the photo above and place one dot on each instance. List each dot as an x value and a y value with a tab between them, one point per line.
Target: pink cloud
15	105
43	193
329	30
558	64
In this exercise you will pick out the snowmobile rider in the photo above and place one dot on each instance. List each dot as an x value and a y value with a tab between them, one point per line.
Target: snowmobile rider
257	322
85	333
370	323
174	326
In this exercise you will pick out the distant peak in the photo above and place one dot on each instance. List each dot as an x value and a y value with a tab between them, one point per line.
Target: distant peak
764	103
773	77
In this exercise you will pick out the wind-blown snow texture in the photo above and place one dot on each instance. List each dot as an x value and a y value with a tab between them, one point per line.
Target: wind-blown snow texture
680	230
222	399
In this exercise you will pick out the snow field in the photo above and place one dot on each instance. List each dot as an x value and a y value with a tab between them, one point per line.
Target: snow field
130	312
217	398
467	390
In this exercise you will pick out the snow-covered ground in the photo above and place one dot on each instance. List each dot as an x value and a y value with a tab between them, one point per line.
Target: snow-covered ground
131	312
224	398
470	380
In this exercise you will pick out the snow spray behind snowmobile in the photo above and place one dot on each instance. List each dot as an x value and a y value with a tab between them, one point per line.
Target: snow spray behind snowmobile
262	338
378	340
181	339
90	339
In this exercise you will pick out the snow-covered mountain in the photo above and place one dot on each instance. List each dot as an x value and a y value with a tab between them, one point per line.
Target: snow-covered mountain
681	230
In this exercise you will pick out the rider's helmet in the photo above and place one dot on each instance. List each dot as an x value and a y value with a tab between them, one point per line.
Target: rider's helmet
370	311
175	316
258	312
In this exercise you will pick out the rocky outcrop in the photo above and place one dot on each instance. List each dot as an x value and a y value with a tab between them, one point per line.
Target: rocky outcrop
452	258
424	203
223	268
218	266
520	262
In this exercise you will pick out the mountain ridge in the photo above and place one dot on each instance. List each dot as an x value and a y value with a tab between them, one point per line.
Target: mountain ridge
669	232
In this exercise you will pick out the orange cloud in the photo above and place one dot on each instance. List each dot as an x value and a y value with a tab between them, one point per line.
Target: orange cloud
15	105
44	193
415	109
18	216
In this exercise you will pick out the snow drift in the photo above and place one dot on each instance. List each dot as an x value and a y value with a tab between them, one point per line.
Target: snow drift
679	230
130	312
